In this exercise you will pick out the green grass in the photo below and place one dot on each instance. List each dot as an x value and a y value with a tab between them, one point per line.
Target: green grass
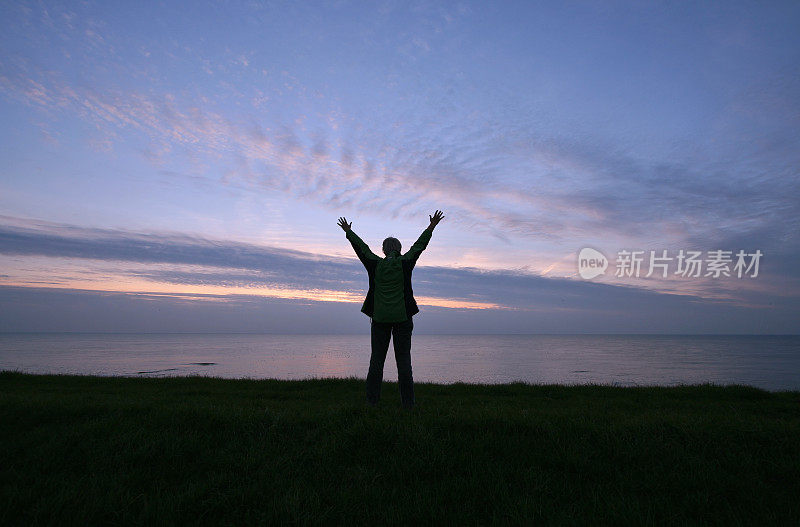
106	450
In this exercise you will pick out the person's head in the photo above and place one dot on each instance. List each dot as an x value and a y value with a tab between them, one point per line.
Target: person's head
390	245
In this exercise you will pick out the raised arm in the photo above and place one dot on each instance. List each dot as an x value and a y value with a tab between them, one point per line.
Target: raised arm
362	249
422	242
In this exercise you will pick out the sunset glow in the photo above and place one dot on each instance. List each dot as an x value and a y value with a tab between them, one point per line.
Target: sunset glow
207	154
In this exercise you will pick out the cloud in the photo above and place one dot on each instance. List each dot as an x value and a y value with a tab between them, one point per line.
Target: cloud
496	170
528	300
463	168
468	145
43	309
57	240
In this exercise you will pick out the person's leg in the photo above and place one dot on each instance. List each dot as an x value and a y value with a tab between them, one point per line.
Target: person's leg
381	333
402	354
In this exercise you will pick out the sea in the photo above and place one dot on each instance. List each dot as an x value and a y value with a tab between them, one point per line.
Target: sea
768	362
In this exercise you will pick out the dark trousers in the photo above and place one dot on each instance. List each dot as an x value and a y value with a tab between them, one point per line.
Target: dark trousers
400	332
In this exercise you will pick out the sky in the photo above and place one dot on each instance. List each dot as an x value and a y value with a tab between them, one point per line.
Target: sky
180	166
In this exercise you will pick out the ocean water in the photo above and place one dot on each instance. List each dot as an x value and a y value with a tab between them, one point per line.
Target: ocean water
769	362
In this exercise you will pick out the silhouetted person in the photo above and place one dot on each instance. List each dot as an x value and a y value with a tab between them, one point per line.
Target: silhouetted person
390	305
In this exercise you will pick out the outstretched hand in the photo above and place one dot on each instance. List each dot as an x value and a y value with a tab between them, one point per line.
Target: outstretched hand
436	218
344	225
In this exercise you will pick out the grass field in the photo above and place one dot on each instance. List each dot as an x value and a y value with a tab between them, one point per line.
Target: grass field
106	450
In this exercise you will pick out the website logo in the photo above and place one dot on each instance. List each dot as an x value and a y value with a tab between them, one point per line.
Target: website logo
591	263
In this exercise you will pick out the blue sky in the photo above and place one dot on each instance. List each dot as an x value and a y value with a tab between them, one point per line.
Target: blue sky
193	158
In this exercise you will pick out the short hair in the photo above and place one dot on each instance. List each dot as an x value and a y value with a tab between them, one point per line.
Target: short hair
391	244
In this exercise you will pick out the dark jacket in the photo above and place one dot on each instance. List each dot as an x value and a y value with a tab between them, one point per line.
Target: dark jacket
390	297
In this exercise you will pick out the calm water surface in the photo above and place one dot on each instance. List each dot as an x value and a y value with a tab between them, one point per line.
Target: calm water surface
770	362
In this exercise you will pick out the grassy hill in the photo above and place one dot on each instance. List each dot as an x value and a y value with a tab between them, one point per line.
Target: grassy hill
118	450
